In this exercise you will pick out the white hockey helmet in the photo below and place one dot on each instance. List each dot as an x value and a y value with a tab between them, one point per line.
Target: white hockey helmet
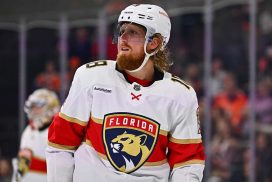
152	17
48	104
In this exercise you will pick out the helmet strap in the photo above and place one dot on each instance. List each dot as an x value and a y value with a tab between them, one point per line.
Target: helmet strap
147	56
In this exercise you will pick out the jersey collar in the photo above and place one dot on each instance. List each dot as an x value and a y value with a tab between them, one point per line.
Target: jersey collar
158	75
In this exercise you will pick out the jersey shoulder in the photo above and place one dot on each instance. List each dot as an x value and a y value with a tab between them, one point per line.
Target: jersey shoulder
95	71
96	66
178	88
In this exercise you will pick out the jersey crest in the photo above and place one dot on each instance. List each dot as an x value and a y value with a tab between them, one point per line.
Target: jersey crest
129	140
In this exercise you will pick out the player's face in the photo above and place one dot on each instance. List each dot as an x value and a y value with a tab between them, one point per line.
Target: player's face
37	110
130	46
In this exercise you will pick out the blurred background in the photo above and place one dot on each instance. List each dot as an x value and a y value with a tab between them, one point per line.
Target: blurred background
223	48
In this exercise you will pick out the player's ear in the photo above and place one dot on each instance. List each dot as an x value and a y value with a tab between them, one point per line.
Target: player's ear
154	43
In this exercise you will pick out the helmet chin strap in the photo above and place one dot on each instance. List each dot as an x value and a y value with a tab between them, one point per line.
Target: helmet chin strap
147	56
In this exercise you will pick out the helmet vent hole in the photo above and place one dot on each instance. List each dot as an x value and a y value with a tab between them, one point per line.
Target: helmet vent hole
129	17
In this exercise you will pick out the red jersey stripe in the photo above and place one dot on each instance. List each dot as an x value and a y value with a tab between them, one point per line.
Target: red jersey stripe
94	134
65	133
181	153
158	153
37	165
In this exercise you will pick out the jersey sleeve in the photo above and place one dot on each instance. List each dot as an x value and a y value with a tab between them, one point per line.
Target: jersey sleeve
67	130
186	152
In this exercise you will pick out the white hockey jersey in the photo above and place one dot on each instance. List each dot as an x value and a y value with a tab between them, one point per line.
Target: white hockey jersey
110	129
36	142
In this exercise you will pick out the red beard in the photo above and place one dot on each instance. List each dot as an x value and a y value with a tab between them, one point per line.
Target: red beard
129	62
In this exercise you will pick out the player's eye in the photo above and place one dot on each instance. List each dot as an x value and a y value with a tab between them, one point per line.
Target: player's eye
129	32
132	33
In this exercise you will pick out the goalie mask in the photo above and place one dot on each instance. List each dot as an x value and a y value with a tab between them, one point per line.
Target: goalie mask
153	18
41	106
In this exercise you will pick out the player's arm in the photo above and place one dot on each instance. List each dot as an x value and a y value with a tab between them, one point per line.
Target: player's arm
67	131
24	157
186	151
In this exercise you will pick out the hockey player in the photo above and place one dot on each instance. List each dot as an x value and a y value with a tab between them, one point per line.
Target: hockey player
40	108
129	120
